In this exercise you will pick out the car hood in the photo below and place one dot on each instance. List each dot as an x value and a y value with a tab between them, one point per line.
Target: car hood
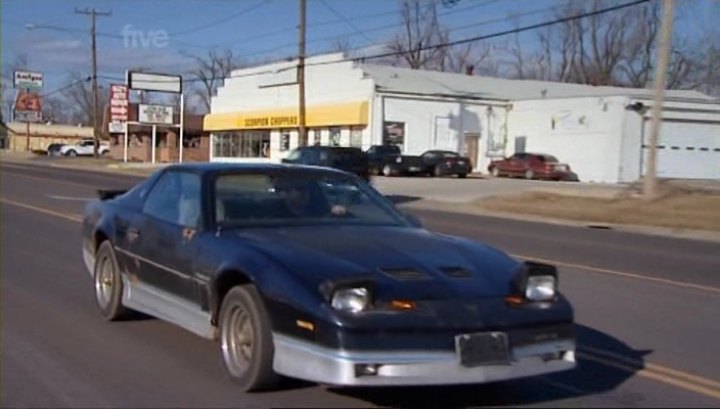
404	262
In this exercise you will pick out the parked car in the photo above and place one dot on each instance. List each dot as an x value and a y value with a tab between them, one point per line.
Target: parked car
311	273
54	149
84	148
532	166
434	163
351	160
380	155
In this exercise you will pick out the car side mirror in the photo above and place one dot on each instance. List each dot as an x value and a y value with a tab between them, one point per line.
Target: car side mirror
414	220
285	160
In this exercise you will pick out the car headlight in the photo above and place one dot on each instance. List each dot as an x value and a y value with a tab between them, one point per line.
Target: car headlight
540	288
398	159
351	299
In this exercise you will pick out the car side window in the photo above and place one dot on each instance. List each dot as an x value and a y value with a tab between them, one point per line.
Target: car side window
429	155
176	199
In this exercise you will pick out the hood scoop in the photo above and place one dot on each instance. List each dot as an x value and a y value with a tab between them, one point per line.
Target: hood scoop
456	272
405	274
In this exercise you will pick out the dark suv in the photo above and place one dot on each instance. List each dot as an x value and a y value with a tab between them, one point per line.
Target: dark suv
351	160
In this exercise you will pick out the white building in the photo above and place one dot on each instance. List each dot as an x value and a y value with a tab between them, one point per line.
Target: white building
599	131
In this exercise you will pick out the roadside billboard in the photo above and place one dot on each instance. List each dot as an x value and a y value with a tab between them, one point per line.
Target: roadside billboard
155	114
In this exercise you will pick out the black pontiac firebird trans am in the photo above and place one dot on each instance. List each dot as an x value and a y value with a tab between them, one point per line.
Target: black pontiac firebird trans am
311	273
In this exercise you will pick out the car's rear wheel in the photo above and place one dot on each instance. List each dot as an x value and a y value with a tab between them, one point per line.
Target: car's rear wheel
437	171
462	175
529	174
71	153
246	339
495	171
108	283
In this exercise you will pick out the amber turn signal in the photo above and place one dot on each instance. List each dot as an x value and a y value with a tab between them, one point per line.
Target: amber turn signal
402	305
305	325
514	300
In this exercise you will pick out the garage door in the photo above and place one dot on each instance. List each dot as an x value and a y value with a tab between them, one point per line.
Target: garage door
686	150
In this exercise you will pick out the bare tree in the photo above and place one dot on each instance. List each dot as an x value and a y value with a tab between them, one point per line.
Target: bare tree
420	43
79	98
210	71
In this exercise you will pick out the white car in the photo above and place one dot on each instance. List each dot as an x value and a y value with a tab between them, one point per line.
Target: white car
84	148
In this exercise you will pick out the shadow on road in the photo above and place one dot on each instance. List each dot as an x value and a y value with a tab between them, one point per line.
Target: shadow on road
400	199
588	378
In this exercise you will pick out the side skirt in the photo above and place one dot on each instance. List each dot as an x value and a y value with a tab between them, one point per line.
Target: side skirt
167	307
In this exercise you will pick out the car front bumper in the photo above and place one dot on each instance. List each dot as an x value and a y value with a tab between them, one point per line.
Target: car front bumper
305	360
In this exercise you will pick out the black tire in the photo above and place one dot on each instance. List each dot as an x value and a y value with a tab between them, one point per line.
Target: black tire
253	372
495	171
529	174
462	175
108	284
71	153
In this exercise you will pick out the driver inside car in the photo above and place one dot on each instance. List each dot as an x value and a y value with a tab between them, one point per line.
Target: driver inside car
305	199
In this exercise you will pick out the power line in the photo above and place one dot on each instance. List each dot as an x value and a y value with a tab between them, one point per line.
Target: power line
211	24
498	34
63	88
348	21
340	20
449	44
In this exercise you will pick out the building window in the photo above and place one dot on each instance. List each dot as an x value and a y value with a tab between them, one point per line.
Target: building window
335	136
394	133
317	137
356	137
284	140
242	144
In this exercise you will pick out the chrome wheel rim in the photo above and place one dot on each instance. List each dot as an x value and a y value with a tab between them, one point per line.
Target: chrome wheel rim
104	282
386	170
237	340
496	172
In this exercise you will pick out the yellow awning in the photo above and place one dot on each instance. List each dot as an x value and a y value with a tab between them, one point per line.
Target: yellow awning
353	113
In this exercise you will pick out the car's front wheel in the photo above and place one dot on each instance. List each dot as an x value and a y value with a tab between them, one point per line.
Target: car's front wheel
71	153
495	172
246	339
529	174
108	283
387	170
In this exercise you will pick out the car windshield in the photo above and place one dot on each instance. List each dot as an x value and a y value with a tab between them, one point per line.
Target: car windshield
283	199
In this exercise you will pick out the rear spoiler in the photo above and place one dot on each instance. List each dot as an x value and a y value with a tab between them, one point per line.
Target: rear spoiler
107	194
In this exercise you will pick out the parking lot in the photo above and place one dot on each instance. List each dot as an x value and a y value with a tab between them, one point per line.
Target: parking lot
454	190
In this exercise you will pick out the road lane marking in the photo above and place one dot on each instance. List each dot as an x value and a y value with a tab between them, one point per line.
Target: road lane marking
650	374
78	199
46	179
655	372
72	217
656	368
621	274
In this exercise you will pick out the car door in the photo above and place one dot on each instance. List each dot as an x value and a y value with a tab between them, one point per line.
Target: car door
85	148
165	243
517	164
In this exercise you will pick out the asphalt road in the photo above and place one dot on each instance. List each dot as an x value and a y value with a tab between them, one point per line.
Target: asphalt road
647	312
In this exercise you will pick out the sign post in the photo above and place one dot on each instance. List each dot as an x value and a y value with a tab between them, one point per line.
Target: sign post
157	114
27	107
119	106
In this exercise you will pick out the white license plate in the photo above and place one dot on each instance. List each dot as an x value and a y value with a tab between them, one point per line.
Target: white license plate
414	169
563	168
462	162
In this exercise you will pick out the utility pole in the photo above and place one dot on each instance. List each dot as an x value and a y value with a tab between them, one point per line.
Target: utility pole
650	180
302	131
96	129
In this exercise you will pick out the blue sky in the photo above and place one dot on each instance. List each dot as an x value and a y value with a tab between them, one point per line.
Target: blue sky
254	29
